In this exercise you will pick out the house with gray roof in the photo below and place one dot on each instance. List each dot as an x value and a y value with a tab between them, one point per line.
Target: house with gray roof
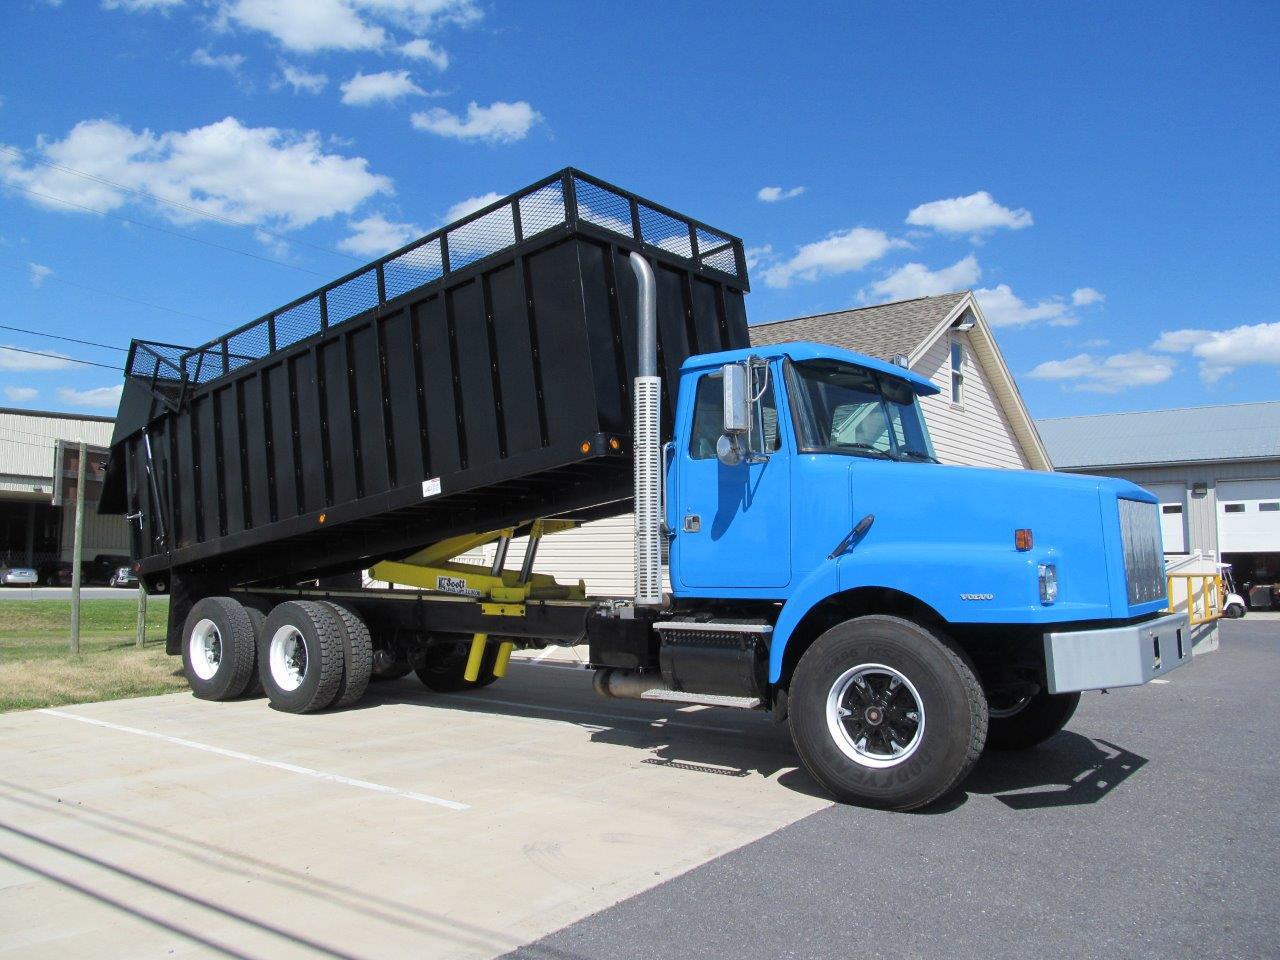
978	418
1216	471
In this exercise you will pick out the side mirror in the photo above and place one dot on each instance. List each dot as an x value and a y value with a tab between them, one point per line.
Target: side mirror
728	451
737	415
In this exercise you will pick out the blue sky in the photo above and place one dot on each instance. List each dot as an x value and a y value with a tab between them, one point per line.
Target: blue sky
1103	174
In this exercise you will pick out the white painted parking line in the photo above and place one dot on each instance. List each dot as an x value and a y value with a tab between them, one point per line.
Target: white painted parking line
1161	681
262	761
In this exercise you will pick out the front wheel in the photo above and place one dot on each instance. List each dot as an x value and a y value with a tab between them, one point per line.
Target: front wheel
885	713
1022	723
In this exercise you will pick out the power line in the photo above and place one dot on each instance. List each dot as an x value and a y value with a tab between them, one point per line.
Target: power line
219	218
58	356
172	233
54	336
108	293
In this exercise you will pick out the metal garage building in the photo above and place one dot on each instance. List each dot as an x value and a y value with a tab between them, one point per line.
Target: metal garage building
32	530
1215	469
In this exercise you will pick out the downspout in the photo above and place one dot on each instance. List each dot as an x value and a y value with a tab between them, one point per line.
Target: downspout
647	441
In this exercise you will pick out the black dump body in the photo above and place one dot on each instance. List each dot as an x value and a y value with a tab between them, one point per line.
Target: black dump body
491	361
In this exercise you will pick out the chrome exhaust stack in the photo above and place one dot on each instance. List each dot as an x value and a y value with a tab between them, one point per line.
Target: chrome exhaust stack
647	443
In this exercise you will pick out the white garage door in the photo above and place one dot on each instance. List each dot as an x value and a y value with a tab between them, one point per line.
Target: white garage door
1248	516
1173	514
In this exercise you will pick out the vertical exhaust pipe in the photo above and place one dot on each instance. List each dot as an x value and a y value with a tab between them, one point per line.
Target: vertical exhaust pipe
648	443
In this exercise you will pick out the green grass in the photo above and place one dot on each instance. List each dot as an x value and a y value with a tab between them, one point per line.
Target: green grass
36	669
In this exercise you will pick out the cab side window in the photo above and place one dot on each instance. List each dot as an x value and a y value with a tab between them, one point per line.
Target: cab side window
708	417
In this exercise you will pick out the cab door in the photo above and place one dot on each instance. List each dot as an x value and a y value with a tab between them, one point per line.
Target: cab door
733	528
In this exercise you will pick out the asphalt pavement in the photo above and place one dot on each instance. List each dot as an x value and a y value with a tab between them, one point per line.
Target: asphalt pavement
1150	828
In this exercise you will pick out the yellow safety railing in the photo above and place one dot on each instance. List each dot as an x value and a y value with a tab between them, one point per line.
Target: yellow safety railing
1202	593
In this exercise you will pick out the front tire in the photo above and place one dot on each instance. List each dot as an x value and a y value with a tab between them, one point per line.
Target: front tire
300	656
1027	723
218	648
885	713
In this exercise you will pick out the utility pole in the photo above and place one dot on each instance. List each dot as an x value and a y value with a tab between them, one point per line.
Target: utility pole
78	545
142	614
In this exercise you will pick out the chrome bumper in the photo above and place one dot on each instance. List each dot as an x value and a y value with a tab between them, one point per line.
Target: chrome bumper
1116	656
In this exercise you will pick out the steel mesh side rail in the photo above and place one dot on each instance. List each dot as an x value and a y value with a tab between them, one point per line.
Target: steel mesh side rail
569	199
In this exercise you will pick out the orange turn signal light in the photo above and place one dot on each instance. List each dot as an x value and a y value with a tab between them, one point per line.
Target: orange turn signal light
1022	538
615	443
586	446
323	517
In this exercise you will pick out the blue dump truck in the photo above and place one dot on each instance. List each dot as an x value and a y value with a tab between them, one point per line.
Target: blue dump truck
573	352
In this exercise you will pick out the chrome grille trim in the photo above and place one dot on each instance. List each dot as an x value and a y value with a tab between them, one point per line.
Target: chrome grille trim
1143	551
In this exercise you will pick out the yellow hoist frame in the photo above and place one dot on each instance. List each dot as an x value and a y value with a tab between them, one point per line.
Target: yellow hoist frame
499	591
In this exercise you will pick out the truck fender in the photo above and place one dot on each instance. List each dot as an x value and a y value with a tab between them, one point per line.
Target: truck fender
821	583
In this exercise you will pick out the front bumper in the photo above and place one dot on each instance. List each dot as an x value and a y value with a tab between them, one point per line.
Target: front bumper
1116	656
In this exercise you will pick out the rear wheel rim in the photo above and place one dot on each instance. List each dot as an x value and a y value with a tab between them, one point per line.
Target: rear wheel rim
875	715
205	649
287	658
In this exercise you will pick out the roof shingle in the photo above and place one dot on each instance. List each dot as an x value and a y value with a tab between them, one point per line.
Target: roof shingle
880	331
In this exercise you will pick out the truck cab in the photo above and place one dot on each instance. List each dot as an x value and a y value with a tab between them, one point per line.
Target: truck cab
833	568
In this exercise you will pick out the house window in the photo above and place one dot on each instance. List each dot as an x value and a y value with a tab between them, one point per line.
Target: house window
1234	508
1171	508
1271	507
957	371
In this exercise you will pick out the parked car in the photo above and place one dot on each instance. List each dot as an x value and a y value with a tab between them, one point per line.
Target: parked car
102	569
123	577
13	576
54	573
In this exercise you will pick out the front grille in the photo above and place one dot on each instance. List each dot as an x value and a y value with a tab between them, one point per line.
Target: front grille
1143	551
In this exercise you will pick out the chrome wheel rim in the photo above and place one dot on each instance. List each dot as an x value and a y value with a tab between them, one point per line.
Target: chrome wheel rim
875	715
205	649
287	658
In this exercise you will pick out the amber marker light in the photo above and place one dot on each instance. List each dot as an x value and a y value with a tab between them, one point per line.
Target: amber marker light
323	517
1022	538
615	444
586	446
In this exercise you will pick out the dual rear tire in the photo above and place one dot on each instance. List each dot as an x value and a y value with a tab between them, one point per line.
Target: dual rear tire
306	655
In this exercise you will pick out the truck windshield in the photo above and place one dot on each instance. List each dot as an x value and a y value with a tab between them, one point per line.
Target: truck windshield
843	408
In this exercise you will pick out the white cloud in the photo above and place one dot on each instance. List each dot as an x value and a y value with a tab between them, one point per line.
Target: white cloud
262	175
500	122
470	205
423	49
376	235
39	273
774	194
301	80
13	358
916	280
1003	308
1087	296
841	252
107	397
230	62
21	394
1095	343
976	213
308	26
135	6
386	87
1220	352
1120	371
758	255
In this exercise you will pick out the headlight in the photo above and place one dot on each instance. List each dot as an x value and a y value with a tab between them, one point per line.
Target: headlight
1048	582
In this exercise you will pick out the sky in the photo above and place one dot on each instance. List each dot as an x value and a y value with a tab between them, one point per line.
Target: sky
1103	175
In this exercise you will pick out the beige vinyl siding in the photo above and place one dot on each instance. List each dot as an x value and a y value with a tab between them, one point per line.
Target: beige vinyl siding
977	434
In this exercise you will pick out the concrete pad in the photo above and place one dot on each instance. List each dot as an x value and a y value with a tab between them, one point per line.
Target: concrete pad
175	827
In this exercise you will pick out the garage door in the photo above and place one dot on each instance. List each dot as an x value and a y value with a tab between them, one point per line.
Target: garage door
1173	514
1248	516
